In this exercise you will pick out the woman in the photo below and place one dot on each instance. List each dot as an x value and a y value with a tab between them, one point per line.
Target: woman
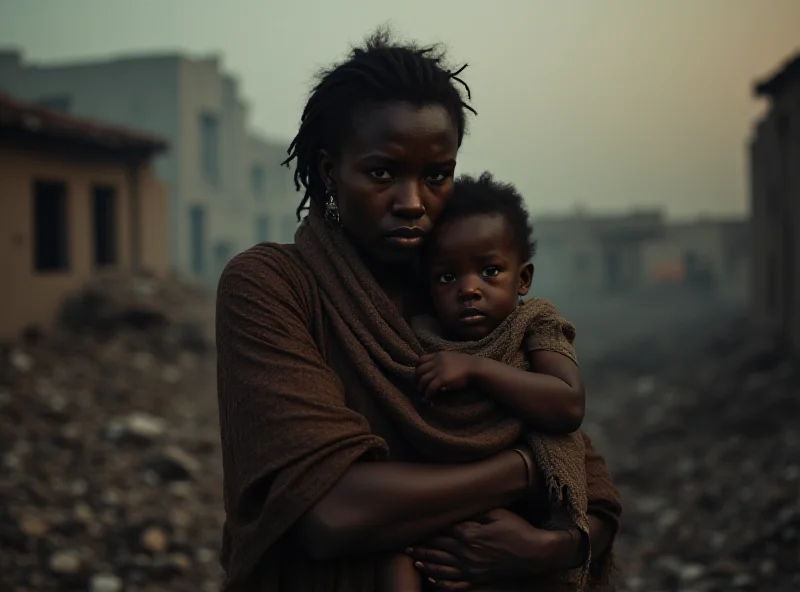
314	350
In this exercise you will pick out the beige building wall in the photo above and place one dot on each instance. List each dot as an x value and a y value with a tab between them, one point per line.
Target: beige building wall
154	209
233	209
30	297
279	195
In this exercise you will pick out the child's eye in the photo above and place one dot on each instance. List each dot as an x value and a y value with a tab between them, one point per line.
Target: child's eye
447	278
380	174
491	271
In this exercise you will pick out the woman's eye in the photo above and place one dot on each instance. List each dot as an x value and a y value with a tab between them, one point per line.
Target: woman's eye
491	271
380	174
447	278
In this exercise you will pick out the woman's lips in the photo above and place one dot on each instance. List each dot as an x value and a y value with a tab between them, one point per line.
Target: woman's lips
406	236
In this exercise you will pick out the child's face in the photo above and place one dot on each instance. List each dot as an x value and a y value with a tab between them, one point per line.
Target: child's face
475	275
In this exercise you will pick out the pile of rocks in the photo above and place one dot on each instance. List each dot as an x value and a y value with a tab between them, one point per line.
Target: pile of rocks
110	475
704	444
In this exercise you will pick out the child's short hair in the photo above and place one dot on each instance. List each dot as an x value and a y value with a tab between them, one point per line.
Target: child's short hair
484	195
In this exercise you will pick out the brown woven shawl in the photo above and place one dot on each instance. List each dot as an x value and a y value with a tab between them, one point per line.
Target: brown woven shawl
386	352
560	458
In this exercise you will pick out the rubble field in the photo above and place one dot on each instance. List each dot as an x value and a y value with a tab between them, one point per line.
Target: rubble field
110	474
703	442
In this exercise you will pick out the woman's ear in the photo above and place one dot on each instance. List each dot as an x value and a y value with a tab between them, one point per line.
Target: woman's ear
326	169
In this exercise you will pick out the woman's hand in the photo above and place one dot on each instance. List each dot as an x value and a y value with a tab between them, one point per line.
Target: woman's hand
496	546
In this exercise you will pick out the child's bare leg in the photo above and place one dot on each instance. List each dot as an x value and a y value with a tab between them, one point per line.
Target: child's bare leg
396	573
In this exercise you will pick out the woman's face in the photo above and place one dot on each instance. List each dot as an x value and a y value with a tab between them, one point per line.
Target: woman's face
393	176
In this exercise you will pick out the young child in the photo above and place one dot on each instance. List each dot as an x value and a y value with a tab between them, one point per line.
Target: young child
477	264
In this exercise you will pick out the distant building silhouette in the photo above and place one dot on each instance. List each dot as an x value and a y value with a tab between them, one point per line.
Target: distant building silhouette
775	194
640	252
77	198
228	190
706	255
593	253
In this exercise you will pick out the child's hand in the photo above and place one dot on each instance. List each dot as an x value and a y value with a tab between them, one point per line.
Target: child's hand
444	371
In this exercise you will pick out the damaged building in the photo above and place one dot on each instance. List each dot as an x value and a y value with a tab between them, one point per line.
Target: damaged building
775	203
77	198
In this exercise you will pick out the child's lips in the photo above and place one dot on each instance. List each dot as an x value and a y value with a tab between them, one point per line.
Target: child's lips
471	315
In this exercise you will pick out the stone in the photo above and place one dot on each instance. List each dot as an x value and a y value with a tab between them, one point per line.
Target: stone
154	539
79	487
180	518
205	555
81	406
716	439
691	572
180	562
172	464
105	582
767	567
84	513
111	497
743	581
65	562
171	374
143	426
32	525
21	361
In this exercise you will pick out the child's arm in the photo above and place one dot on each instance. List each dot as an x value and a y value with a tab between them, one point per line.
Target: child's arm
396	573
549	398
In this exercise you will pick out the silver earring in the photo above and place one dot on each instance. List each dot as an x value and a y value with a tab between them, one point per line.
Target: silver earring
332	208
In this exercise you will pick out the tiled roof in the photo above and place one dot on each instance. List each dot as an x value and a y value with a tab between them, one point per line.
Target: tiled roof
775	84
37	120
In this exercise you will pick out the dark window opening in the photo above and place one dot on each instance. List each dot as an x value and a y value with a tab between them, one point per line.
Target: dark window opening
197	239
262	229
258	180
50	226
105	226
223	252
209	148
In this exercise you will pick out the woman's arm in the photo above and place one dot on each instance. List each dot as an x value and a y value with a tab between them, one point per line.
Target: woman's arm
501	545
381	506
566	549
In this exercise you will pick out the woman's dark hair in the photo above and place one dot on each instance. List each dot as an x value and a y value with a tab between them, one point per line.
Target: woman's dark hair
380	71
484	195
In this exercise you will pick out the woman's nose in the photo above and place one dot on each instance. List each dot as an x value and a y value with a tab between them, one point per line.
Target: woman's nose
408	201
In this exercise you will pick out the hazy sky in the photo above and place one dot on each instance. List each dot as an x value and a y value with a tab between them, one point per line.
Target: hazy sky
607	103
